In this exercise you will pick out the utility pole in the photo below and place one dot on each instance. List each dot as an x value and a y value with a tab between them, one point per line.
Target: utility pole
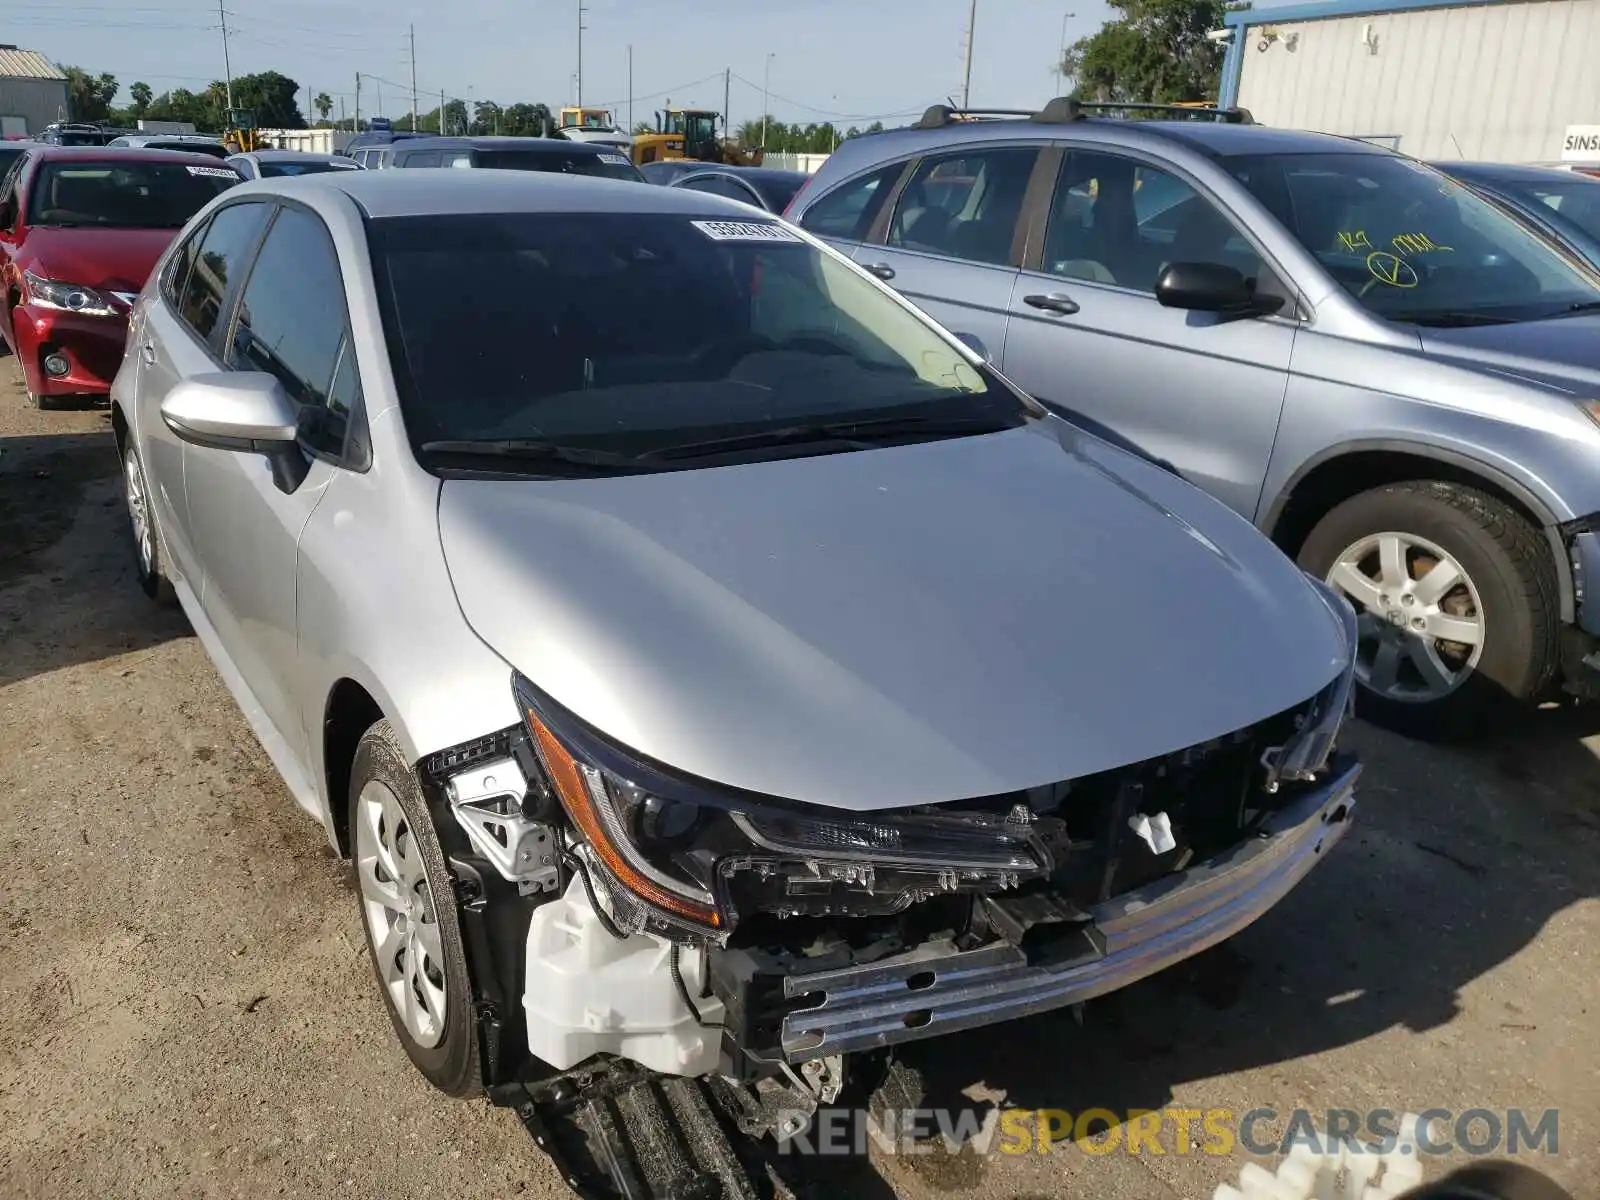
1061	58
442	131
341	112
766	91
227	67
630	88
413	79
727	117
581	11
355	126
966	80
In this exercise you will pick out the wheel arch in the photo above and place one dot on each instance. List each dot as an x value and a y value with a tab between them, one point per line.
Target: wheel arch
350	711
1336	474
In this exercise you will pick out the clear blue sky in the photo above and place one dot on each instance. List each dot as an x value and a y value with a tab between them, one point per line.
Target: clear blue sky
873	59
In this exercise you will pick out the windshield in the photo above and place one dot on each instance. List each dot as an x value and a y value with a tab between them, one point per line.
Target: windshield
607	166
215	149
630	333
274	170
124	194
1412	245
1574	201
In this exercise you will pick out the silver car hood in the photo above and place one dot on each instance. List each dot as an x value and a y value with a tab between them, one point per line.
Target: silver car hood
891	627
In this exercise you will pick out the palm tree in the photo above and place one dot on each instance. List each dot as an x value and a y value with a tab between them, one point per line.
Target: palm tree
323	104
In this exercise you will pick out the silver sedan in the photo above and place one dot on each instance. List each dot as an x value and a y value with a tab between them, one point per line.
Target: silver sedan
658	609
277	164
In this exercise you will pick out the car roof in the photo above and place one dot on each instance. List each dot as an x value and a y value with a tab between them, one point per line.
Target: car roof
1214	138
288	156
50	153
773	174
527	145
1508	172
434	193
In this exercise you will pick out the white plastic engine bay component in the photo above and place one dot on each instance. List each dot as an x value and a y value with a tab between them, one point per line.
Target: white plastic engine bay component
1344	1172
588	992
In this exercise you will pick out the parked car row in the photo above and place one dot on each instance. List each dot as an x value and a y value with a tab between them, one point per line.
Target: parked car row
755	640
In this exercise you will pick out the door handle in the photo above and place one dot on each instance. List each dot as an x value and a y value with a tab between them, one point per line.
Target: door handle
148	353
1055	302
881	270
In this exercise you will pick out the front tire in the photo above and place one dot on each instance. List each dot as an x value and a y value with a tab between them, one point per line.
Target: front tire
1457	604
409	914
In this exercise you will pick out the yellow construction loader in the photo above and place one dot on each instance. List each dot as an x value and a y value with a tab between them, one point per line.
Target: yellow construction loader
690	133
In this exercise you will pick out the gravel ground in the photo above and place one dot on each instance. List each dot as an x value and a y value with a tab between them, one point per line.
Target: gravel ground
186	1009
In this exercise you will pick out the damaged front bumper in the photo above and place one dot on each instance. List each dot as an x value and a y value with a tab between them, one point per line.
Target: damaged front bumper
936	988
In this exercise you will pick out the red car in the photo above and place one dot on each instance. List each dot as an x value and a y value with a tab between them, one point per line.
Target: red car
80	230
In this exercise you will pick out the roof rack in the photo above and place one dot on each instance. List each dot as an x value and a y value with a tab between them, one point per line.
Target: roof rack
1064	109
941	115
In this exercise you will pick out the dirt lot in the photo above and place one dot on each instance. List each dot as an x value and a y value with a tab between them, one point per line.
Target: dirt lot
186	1010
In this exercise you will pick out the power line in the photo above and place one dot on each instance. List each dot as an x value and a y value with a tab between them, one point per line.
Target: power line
843	116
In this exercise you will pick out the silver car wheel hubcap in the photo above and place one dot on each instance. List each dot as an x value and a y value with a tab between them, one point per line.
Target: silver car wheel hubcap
400	914
138	510
1419	617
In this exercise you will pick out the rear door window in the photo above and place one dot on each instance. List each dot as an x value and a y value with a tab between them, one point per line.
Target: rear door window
965	205
421	158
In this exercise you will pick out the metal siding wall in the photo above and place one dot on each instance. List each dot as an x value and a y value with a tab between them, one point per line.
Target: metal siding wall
39	101
1498	81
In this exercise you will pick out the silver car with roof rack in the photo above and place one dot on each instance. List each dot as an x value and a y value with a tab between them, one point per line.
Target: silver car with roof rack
1396	381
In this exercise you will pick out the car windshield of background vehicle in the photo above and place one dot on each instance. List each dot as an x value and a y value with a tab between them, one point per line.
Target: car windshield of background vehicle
1575	201
277	170
123	194
641	334
1412	245
608	166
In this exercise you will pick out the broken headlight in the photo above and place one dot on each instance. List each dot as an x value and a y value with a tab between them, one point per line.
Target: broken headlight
685	857
1317	729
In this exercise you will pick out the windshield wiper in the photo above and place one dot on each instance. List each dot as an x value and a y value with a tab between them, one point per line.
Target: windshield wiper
1581	306
529	450
853	435
1456	320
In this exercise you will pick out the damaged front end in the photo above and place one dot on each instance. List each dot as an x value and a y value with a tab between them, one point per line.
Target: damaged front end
616	912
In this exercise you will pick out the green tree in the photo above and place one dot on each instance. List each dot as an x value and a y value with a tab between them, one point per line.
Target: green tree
1155	51
455	117
142	95
486	117
323	104
271	96
89	96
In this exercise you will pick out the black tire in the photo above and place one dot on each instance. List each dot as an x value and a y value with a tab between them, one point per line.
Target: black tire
452	1064
151	575
1508	562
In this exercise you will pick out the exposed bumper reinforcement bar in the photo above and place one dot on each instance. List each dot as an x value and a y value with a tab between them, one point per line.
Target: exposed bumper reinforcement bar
937	989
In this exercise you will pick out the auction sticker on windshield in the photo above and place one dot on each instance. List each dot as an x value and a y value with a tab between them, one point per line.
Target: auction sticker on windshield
219	172
744	231
614	159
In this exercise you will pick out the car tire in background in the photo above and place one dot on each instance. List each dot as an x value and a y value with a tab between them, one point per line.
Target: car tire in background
408	911
1457	601
145	539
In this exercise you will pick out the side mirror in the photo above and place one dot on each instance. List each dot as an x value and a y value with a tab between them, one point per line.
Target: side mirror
975	343
243	411
1214	288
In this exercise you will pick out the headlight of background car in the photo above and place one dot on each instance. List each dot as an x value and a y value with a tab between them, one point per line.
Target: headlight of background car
689	860
68	297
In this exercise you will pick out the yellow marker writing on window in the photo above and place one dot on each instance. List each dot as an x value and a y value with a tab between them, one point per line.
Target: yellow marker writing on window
1416	243
1391	269
1355	240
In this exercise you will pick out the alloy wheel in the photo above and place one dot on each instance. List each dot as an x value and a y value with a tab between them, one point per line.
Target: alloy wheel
1419	616
139	510
398	906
